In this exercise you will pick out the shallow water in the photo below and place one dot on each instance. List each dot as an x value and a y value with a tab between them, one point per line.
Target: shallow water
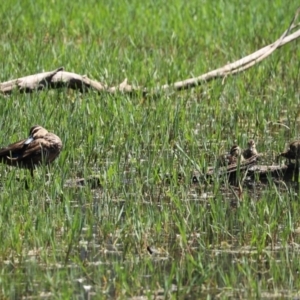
158	258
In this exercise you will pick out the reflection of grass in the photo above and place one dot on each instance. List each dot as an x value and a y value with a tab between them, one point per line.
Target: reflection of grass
61	240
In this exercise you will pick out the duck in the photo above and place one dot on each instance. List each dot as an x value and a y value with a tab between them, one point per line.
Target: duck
234	156
41	147
293	151
251	150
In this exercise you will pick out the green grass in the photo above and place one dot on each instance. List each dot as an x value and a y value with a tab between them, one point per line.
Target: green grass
70	242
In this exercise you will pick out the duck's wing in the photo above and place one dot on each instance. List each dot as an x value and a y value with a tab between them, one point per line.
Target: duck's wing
20	150
33	150
12	150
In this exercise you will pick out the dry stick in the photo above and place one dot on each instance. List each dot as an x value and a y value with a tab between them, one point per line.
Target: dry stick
242	64
271	49
60	78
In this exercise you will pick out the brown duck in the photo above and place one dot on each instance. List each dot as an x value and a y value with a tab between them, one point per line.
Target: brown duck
40	147
251	150
293	152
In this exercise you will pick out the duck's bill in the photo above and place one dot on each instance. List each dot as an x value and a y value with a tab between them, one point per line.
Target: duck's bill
29	140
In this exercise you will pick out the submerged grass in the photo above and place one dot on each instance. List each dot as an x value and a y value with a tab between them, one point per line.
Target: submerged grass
206	239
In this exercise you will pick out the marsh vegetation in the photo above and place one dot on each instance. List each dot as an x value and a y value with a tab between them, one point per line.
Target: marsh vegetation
137	235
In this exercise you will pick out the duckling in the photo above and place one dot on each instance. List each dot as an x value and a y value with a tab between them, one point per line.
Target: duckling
40	147
235	155
251	150
293	152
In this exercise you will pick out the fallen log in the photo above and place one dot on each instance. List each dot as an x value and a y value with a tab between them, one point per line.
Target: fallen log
60	78
250	169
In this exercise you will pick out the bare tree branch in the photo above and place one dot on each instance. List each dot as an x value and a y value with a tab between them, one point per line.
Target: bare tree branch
241	64
60	78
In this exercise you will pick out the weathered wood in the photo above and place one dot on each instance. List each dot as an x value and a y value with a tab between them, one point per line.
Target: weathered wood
241	64
57	79
232	168
284	172
60	78
29	83
251	169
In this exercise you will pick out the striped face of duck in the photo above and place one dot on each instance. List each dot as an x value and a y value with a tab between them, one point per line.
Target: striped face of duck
36	132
